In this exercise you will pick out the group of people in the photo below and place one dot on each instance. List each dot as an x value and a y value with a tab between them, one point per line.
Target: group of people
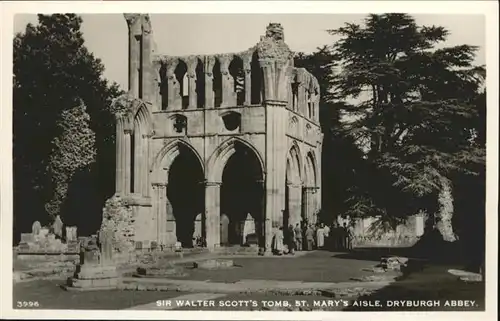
308	237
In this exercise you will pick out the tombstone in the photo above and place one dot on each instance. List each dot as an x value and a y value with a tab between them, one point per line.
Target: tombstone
138	245
154	245
27	238
106	240
224	229
35	228
91	257
71	234
44	231
57	226
248	227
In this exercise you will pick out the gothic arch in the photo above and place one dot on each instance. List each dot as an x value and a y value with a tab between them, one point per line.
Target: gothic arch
294	170
166	157
218	159
310	170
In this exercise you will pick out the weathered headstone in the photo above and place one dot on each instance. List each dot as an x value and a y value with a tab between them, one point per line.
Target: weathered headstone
106	240
71	234
57	226
138	245
27	238
35	228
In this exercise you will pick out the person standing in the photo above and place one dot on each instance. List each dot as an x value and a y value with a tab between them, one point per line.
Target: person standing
278	242
346	237
326	232
298	237
309	235
291	240
320	236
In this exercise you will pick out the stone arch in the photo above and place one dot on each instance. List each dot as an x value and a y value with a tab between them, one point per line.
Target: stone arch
310	170
220	156
294	174
166	156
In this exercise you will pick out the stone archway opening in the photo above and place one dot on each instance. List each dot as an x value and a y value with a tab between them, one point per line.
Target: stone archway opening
185	193
241	199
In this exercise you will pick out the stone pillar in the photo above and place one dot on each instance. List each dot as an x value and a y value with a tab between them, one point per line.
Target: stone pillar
302	100
127	161
134	22
159	206
146	179
227	82
247	68
308	200
294	203
120	153
147	92
138	159
191	75
208	65
212	214
156	86
174	98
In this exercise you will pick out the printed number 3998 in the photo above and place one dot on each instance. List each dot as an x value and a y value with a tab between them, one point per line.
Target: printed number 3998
28	304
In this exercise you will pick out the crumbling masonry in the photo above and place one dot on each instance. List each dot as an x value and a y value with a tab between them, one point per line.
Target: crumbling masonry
216	140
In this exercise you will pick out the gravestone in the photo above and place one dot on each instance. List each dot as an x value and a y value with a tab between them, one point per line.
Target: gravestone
57	226
27	238
71	233
224	229
106	240
35	228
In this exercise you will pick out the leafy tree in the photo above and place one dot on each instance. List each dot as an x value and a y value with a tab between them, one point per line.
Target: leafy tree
52	69
73	150
415	109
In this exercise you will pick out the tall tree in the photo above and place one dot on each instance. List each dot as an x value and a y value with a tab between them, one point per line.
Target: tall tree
52	69
73	151
414	108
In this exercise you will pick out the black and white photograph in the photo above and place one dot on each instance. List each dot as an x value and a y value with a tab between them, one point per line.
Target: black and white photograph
249	162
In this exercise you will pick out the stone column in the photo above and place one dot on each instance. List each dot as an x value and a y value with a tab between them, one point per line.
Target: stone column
227	85
146	68
127	161
120	153
138	159
156	86
302	100
191	74
247	68
146	179
134	22
294	203
208	65
212	214
308	203
174	99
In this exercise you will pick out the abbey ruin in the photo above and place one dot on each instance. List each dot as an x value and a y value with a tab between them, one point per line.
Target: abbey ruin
217	146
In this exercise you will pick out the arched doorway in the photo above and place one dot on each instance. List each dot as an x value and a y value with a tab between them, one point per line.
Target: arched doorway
242	194
185	193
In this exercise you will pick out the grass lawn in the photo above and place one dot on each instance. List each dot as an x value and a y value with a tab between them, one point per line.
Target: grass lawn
320	266
50	296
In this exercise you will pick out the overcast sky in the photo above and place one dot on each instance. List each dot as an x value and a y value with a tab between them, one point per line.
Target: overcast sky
182	34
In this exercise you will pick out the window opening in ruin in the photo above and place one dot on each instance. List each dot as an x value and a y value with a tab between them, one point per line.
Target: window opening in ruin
163	86
238	75
181	76
295	95
309	105
200	85
256	80
217	84
232	120
180	124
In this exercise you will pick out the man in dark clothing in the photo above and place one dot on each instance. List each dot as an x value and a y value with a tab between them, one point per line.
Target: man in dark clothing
298	237
309	236
291	240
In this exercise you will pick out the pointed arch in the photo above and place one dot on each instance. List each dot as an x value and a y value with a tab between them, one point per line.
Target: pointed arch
220	156
296	165
310	170
166	156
